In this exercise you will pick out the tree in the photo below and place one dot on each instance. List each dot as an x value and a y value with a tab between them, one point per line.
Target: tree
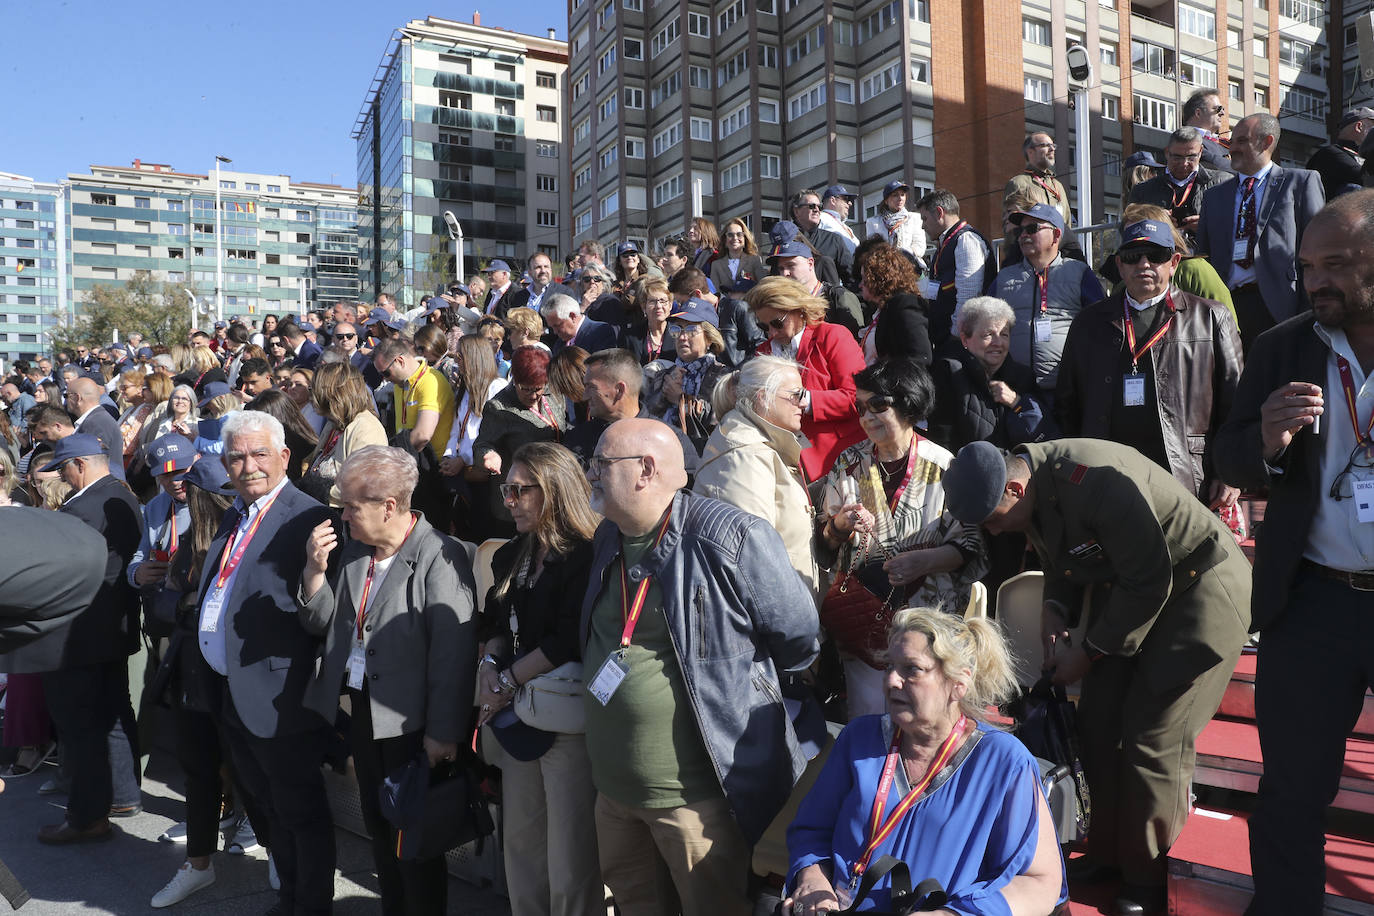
160	311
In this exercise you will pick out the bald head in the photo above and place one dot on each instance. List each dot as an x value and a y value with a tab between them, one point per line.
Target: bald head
82	395
635	473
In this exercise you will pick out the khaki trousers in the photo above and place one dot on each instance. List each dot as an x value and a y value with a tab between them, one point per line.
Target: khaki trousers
690	859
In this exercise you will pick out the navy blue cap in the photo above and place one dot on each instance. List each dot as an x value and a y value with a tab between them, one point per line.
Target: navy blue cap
974	482
695	311
213	390
77	445
783	231
117	345
208	474
456	288
1147	232
835	190
1142	157
1046	214
436	304
897	185
498	264
221	324
397	322
626	248
792	248
145	352
169	454
377	314
523	742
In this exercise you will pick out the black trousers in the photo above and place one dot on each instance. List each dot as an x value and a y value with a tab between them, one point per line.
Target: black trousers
409	888
202	751
85	702
282	774
1315	664
1252	314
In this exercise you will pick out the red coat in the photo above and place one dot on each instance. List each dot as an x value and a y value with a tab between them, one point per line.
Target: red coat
829	357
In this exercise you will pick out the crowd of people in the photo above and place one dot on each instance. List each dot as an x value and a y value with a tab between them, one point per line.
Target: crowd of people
739	488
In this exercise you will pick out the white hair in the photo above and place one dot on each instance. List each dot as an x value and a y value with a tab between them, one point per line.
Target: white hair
378	472
560	306
252	421
763	374
983	308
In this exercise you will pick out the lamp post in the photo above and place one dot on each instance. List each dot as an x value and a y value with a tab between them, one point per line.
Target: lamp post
219	243
1080	80
455	234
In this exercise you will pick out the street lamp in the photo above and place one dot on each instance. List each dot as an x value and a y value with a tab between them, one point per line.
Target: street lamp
455	234
219	243
1080	79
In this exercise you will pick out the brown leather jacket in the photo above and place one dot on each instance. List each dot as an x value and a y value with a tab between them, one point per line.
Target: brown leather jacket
1196	369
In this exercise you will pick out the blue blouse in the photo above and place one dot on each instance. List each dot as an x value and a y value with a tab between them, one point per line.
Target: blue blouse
974	830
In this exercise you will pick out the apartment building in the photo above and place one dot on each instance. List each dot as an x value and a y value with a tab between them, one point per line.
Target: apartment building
35	275
466	119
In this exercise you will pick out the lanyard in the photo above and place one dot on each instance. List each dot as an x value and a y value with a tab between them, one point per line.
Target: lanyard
910	469
410	386
878	829
1154	338
372	571
1044	185
1043	281
633	610
170	545
1348	388
940	252
228	562
327	450
1187	190
545	413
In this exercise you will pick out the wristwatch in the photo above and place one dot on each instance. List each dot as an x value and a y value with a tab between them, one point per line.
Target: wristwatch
489	659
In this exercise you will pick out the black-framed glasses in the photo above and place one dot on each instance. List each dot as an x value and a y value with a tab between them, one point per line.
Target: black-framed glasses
345	336
876	404
511	492
1032	228
1361	457
1217	109
597	464
1155	254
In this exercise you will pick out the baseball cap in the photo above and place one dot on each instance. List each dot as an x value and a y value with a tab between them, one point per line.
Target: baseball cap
1142	157
77	445
1355	114
835	190
454	288
170	454
498	264
377	314
1147	232
1046	214
213	390
695	311
208	475
897	185
792	248
626	248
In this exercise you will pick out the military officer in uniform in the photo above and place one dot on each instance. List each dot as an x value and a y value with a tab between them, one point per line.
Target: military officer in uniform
1168	610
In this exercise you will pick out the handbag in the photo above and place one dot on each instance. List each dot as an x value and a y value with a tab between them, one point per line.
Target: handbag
1047	725
552	702
927	896
858	607
455	810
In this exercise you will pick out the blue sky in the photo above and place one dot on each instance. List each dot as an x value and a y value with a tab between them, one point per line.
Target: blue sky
275	86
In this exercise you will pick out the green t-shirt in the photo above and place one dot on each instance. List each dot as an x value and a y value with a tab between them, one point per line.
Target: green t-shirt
645	748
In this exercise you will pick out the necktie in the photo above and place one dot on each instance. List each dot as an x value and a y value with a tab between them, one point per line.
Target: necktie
1245	223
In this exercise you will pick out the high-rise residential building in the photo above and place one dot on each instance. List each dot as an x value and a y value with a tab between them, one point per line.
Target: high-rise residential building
35	276
750	100
285	243
465	119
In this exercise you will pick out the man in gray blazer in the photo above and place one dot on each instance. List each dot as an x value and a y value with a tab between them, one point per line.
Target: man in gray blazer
1251	228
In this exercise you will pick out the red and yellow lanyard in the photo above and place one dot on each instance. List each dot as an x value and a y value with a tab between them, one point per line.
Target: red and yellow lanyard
1351	397
1154	338
630	609
372	571
229	560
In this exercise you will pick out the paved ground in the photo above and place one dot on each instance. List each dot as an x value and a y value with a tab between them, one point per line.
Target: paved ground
121	875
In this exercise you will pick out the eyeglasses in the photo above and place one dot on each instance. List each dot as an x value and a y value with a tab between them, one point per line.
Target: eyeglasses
877	404
511	492
345	336
814	208
530	389
1362	457
689	330
596	465
659	303
1045	146
796	395
1032	228
1155	254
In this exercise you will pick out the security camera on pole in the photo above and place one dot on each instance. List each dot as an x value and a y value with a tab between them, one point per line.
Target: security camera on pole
455	234
1080	79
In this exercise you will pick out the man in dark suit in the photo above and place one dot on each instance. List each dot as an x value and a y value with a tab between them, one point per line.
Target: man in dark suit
1251	228
83	403
542	288
1204	110
1339	162
571	328
47	578
249	634
1299	431
89	693
1184	180
307	351
501	288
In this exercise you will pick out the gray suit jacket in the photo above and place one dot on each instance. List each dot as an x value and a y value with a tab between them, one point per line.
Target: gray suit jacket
104	427
1291	198
419	636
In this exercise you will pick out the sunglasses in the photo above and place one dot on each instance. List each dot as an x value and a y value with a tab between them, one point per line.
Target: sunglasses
772	324
511	492
1217	109
811	207
345	336
874	405
1156	255
1032	228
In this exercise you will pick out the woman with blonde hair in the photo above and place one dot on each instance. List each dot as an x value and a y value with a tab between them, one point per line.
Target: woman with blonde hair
340	395
794	322
739	260
652	337
705	242
202	369
524	328
529	627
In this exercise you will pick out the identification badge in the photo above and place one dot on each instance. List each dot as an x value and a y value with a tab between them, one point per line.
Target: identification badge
1240	250
1133	390
211	610
607	680
357	668
1085	550
1043	329
1364	500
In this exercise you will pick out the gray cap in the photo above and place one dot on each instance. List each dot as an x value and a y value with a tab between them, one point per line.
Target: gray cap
974	482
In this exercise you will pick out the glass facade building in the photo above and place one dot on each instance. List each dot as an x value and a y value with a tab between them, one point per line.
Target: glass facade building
34	275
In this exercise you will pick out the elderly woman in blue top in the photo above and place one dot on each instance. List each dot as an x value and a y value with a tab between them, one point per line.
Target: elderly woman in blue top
964	804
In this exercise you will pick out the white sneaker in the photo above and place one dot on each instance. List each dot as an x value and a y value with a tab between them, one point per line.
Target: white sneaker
174	834
184	883
243	839
272	878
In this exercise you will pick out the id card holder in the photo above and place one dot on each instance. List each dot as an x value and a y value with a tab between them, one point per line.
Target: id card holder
608	679
210	611
1364	500
1044	329
1240	250
1133	390
357	667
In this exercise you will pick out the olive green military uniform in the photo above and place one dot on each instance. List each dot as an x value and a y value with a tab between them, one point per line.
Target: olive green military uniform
1170	607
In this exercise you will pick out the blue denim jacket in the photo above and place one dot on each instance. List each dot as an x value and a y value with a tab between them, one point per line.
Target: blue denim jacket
738	614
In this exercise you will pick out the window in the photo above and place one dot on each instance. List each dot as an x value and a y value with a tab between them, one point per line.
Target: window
1262	98
1199	22
507	107
699	24
546	149
228	185
545	80
635	5
634	49
547	218
251	186
582	130
920	10
579	41
667	190
700	129
1261	44
698	77
1106	54
813	40
103	200
768	57
1035	31
634	97
1195	71
274	189
608	156
1311	12
814	96
203	228
271	235
880	81
767	111
920	70
770	166
581	85
1155	113
665	140
882	20
666	89
608	106
302	238
665	37
734	121
1111	108
610	204
546	182
732	68
177	205
450	99
176	228
504	143
733	13
1038	90
634	148
1304	103
1152	58
607	13
606	61
735	175
452	172
176	276
142	203
1292	52
582	176
546	113
843	32
302	216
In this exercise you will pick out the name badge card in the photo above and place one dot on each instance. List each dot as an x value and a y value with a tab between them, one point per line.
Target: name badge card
1240	250
1364	500
1133	390
212	609
1043	329
608	679
357	668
